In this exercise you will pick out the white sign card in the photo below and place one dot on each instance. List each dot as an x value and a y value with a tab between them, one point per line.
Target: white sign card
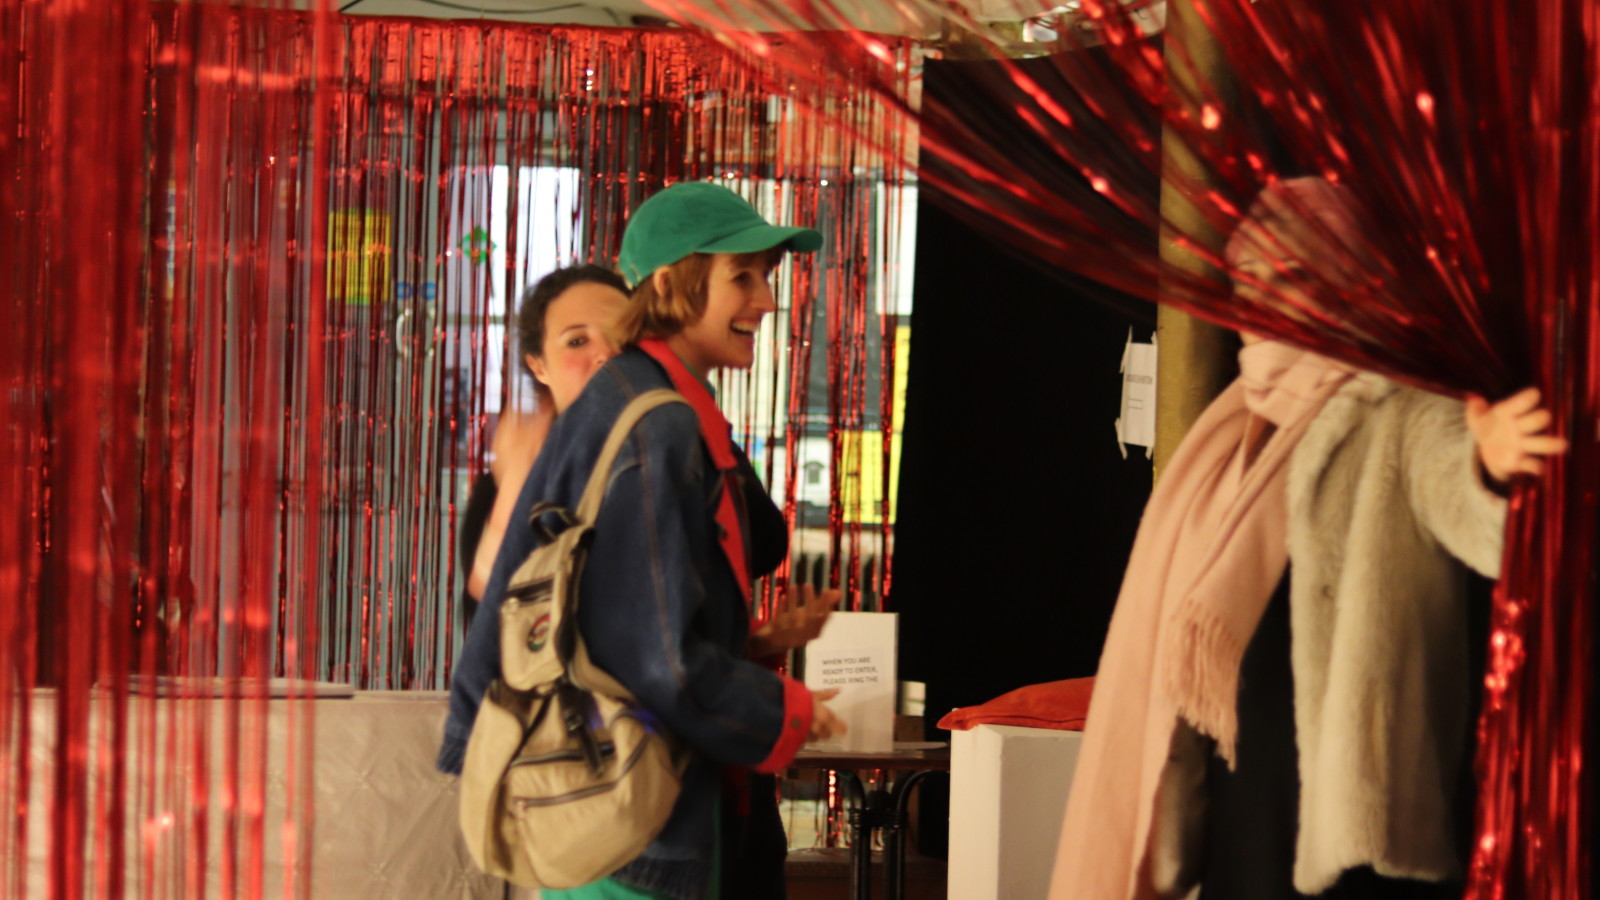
1137	424
855	654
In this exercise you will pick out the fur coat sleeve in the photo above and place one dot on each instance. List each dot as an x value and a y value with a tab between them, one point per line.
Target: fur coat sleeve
1385	503
1444	484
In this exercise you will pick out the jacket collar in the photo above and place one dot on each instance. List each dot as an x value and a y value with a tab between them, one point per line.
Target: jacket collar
714	428
718	437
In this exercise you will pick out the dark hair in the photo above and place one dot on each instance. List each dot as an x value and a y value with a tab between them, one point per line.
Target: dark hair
537	299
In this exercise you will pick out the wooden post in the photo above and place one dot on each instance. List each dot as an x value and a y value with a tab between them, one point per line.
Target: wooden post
1196	358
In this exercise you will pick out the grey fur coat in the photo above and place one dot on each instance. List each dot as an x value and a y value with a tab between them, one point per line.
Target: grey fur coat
1385	496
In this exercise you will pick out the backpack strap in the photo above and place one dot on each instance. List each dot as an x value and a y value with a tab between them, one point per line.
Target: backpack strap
575	658
595	491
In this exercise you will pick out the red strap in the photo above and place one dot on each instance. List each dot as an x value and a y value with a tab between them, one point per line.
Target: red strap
718	437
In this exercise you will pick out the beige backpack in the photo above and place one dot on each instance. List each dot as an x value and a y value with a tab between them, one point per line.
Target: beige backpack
566	779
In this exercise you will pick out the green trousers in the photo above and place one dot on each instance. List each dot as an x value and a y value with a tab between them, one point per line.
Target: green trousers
604	889
609	889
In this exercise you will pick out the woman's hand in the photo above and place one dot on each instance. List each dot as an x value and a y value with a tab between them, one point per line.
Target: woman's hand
516	443
824	722
1511	435
796	620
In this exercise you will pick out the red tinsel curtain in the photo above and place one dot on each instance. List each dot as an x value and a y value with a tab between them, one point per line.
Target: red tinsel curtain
1467	137
262	269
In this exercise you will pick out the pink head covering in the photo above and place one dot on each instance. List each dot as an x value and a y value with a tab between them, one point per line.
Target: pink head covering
1311	234
1308	219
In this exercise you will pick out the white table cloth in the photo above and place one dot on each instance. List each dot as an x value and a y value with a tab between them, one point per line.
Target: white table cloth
383	822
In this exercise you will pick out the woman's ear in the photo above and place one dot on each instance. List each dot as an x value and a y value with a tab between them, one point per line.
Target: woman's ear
537	367
661	280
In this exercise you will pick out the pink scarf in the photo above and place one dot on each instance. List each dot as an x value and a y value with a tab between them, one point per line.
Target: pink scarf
1209	554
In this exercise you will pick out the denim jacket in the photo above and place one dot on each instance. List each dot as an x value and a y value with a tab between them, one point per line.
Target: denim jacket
659	609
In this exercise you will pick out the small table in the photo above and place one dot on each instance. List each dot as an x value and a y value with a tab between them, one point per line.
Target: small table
879	809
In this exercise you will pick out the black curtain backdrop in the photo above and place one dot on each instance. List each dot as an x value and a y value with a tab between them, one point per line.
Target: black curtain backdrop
1016	509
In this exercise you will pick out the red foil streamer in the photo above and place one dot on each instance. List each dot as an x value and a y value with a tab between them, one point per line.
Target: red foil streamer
1469	139
237	416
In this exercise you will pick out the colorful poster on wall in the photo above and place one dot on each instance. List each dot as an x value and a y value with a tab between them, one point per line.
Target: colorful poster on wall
359	249
861	482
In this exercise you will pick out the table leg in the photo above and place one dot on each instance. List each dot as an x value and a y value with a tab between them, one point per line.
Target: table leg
874	810
860	838
894	836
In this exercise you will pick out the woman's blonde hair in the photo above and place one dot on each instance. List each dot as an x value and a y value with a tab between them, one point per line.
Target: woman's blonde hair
658	314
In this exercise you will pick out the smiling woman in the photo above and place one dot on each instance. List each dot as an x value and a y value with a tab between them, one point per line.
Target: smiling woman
708	307
699	256
738	297
684	527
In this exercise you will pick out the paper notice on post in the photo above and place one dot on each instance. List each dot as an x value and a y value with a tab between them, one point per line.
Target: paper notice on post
1137	424
855	654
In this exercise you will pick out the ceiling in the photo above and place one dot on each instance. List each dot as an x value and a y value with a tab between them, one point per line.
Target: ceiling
549	12
884	16
873	15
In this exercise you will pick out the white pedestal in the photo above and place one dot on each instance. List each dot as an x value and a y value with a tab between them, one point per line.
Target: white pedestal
1008	794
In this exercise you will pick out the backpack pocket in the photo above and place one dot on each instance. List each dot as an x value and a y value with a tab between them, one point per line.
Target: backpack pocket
532	615
602	806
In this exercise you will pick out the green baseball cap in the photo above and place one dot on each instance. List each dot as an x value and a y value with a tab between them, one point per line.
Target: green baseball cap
700	217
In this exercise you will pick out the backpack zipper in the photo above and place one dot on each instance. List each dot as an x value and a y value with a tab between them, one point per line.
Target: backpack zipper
582	793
